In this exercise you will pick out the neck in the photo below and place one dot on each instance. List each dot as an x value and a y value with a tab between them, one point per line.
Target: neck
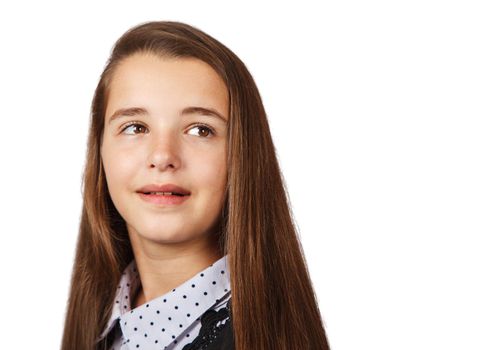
160	273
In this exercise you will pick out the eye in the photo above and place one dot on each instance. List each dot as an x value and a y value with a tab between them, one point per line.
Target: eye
130	125
208	130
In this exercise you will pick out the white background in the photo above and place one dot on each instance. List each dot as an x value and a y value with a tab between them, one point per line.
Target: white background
388	121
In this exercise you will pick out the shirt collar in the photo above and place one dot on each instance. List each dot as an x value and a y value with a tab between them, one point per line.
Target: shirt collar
175	310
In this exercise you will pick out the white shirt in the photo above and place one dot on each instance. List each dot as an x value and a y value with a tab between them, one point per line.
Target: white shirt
172	320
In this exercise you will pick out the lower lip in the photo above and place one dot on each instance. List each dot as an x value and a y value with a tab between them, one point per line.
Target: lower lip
163	200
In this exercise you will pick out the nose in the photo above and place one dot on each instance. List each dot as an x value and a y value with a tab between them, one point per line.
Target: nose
165	152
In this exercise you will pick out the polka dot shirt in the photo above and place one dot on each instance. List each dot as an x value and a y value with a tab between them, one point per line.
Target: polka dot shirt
172	320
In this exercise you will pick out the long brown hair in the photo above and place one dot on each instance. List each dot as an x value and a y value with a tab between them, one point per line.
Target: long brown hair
274	305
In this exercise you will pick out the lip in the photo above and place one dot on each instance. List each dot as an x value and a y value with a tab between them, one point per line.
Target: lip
164	188
162	199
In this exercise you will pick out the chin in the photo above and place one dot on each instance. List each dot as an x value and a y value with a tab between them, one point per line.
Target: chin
164	236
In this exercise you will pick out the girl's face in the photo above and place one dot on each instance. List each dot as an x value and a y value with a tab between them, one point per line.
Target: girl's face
166	144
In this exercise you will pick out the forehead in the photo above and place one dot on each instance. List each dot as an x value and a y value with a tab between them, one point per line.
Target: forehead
150	80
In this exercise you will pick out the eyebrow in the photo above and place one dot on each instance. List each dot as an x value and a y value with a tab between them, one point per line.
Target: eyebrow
136	111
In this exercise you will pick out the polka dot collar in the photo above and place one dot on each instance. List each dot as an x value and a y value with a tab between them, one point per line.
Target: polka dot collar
162	320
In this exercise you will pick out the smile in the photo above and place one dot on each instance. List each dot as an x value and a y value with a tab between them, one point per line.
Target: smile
163	198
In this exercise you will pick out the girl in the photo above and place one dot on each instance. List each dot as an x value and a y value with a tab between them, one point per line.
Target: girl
186	239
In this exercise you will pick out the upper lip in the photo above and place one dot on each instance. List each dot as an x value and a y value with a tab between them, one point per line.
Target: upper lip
164	188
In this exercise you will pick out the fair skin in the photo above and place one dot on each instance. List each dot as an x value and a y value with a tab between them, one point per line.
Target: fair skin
170	243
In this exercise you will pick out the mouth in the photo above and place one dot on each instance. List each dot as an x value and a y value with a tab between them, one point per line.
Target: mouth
165	194
164	198
164	190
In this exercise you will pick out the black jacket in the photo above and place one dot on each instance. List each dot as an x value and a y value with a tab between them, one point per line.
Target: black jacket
212	336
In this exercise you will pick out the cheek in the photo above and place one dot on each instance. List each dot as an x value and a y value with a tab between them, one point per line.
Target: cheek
119	167
212	173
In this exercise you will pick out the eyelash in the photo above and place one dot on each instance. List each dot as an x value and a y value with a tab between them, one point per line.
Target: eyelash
210	129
